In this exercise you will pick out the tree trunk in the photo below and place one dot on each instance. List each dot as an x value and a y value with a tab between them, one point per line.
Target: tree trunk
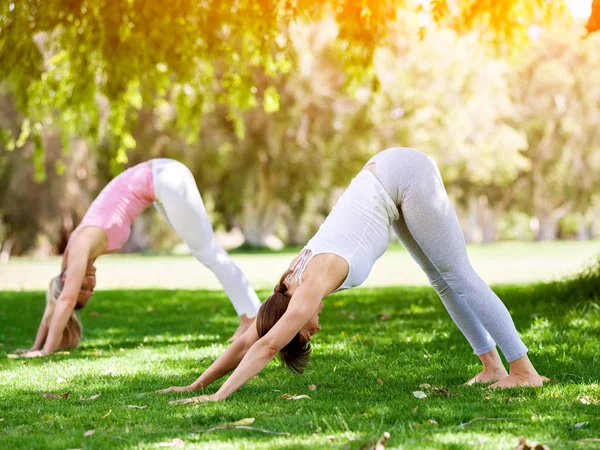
583	232
489	219
548	227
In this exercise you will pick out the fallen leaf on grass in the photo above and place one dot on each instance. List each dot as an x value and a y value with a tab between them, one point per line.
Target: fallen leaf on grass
65	395
524	444
95	314
246	421
312	387
94	397
432	422
420	394
331	437
385	317
382	441
424	386
298	397
107	414
557	394
443	390
96	353
379	380
414	410
585	400
12	356
352	316
172	443
88	433
1	419
581	425
136	407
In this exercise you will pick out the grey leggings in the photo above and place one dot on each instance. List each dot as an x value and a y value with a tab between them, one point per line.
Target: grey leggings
430	231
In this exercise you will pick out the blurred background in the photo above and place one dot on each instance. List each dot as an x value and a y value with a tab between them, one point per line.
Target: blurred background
275	105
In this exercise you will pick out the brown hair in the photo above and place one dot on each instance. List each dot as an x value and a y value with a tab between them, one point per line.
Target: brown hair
296	354
73	330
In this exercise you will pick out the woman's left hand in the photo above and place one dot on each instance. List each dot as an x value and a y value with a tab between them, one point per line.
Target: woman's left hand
199	399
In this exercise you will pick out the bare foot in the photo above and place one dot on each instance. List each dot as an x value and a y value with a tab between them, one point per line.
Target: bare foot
519	379
488	376
245	322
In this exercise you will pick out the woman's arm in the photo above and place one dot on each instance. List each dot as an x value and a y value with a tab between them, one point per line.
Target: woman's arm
41	334
78	261
303	306
228	361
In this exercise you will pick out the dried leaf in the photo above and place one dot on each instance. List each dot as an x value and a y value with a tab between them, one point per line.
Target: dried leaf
285	396
443	390
331	437
524	444
172	443
352	316
424	386
298	397
420	394
88	433
432	422
557	394
246	421
95	314
379	380
382	441
66	395
312	387
136	407
585	400
107	414
96	352
94	397
50	395
385	317
414	410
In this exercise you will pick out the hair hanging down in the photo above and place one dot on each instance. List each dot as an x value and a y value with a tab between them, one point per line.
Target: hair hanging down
73	330
296	354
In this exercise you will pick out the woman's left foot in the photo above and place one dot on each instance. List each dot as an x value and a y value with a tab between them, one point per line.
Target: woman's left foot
488	376
516	380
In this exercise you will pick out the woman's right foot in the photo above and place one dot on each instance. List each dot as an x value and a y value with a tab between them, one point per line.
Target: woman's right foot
488	376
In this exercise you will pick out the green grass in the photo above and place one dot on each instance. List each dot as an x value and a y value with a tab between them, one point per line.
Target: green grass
130	350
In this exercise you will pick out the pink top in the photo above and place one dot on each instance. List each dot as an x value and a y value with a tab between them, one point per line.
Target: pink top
119	203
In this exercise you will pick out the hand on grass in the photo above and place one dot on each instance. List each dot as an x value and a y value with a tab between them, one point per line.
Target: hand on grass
33	354
176	389
20	351
199	399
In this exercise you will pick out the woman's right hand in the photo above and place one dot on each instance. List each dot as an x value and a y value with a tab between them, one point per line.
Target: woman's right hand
189	388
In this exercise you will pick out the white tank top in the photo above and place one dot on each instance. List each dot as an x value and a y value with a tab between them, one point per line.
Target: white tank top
357	229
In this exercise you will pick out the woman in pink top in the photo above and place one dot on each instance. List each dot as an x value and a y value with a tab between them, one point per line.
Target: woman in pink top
106	226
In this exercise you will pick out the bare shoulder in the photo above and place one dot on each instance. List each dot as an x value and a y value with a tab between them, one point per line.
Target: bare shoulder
327	270
90	240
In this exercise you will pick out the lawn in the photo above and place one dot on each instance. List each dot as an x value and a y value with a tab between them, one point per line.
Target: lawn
378	346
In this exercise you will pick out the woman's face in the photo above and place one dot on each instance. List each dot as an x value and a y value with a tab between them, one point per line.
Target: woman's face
312	327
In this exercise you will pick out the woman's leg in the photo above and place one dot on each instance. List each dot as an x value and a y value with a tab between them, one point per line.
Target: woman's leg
482	343
180	203
432	222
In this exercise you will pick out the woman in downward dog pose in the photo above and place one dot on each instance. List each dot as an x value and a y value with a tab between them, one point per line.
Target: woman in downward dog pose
106	226
401	187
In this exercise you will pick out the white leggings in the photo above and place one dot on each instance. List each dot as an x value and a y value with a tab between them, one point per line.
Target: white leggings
180	204
429	229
